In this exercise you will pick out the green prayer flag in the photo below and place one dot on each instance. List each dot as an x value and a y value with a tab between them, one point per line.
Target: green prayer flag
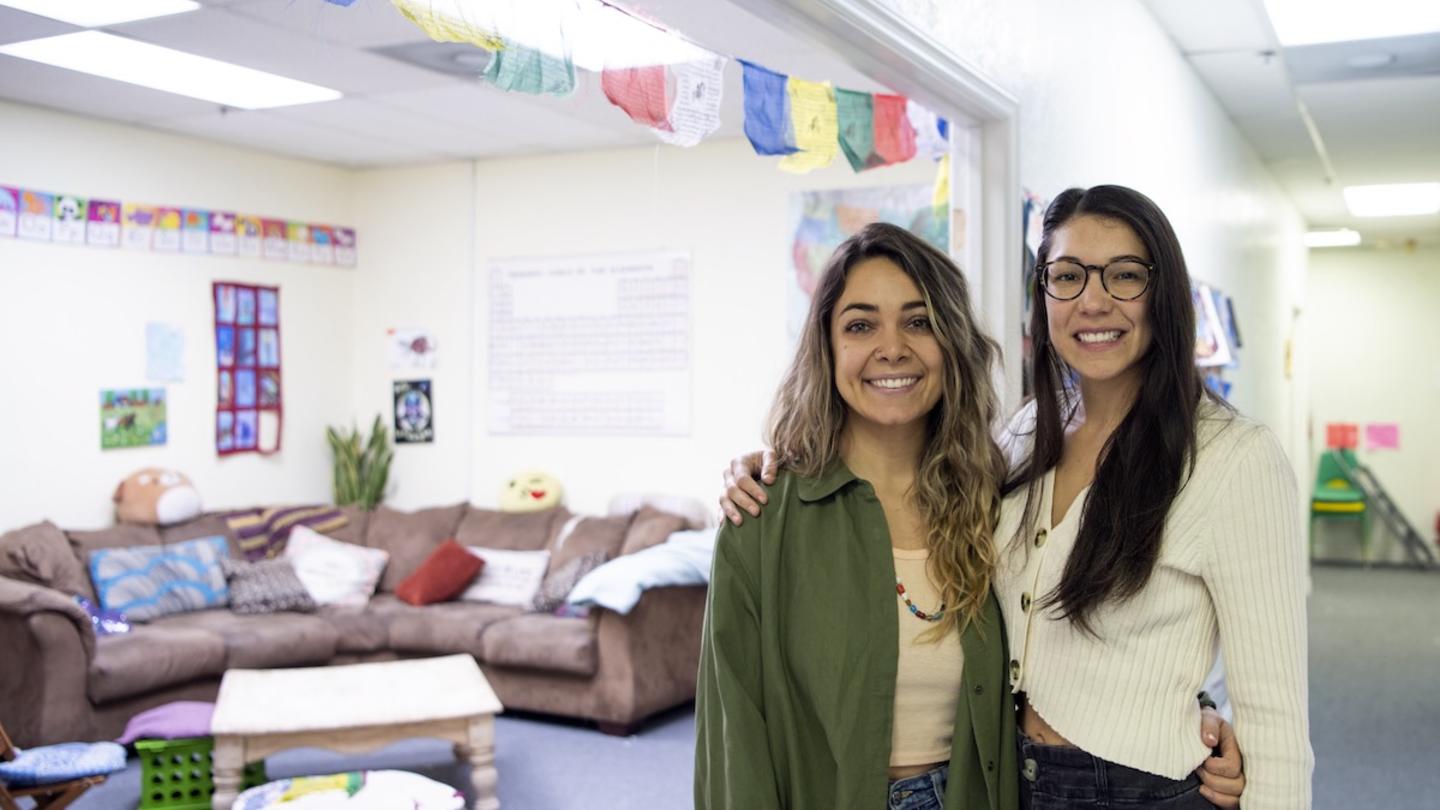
857	127
526	70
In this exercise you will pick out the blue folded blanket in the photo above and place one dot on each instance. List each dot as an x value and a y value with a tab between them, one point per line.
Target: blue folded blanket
60	763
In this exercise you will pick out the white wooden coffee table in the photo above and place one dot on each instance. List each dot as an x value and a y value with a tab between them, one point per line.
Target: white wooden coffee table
353	709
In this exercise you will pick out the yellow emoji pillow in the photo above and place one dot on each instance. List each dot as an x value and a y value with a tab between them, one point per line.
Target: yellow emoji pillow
530	492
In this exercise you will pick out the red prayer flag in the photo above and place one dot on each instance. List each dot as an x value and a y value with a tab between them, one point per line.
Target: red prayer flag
894	136
1340	435
641	93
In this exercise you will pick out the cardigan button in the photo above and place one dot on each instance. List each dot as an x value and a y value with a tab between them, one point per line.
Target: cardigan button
990	766
979	689
1024	603
1014	669
1040	538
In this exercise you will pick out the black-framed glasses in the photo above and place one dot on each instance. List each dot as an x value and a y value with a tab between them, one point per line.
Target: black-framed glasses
1123	279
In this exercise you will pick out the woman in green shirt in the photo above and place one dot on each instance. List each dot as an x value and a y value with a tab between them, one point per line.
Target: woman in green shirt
853	652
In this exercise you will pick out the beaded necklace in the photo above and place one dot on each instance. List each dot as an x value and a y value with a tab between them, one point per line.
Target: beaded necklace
919	614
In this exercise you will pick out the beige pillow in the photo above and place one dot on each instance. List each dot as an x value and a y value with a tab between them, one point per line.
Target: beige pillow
508	578
334	572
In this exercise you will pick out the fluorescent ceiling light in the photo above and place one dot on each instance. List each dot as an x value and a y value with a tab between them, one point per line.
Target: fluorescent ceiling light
594	34
1342	237
1307	22
152	66
95	13
1394	200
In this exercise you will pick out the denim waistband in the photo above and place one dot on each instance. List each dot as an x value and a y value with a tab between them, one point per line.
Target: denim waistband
934	778
1071	772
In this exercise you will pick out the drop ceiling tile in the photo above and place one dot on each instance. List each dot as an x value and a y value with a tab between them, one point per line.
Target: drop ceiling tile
1246	82
18	26
225	34
1214	25
374	118
363	25
267	131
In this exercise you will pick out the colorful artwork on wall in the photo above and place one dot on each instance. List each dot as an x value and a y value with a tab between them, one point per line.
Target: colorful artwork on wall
132	417
414	412
248	396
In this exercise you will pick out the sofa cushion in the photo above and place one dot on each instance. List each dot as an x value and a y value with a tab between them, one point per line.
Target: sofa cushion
353	531
508	577
409	537
359	629
267	586
442	576
123	535
149	658
449	627
538	641
41	555
260	642
560	581
146	582
334	573
210	524
650	527
514	531
592	534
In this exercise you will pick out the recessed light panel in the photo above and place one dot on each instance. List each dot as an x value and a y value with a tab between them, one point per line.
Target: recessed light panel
95	13
1309	22
1394	200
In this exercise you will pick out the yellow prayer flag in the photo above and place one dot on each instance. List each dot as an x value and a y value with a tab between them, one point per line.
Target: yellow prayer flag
443	27
942	182
816	123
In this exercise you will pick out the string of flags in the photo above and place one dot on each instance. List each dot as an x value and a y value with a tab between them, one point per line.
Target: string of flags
43	216
806	123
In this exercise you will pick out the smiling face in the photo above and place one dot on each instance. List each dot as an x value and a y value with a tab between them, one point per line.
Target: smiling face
1101	338
888	364
530	492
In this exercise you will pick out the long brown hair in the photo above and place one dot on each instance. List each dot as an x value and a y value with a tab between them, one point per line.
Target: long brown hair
1143	464
957	484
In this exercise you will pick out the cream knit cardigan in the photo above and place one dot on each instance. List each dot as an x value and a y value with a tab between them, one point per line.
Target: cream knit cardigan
1231	570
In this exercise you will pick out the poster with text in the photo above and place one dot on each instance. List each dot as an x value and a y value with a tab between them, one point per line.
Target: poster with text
37	215
821	220
132	417
414	412
249	399
103	227
9	210
71	214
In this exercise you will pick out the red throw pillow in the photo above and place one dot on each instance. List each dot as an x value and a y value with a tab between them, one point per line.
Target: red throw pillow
444	574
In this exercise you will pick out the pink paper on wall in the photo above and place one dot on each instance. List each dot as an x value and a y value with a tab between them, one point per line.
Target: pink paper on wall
1382	436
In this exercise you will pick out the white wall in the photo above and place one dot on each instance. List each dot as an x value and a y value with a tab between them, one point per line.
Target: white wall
718	201
72	321
1373	335
1105	97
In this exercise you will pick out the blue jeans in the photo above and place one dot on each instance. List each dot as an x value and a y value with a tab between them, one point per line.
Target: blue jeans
924	791
1055	777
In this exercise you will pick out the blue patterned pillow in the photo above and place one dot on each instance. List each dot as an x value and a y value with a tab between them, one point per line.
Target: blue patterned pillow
61	763
146	582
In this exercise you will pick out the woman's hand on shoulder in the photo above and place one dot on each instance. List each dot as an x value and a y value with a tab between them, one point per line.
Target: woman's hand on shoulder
742	491
1222	776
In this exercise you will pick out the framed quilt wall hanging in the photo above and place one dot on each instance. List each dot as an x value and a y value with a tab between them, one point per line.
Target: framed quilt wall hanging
248	402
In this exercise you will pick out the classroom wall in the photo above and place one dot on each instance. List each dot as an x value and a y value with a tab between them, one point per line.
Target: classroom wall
72	321
1373	339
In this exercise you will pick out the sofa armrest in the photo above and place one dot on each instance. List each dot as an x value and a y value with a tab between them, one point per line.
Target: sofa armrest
47	643
650	657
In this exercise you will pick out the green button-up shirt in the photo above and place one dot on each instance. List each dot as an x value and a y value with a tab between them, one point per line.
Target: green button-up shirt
797	675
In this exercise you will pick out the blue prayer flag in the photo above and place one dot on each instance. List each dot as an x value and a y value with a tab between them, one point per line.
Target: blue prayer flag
767	111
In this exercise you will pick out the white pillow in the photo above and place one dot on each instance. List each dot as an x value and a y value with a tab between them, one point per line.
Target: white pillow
335	573
508	578
683	559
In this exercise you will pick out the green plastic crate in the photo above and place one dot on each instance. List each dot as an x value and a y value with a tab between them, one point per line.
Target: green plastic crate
177	774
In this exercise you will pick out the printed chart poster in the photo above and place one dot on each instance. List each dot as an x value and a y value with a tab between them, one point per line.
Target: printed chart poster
322	244
71	214
821	220
590	345
345	247
222	233
248	231
414	412
248	395
166	238
1212	340
103	228
276	243
37	217
9	210
132	417
297	235
195	232
137	226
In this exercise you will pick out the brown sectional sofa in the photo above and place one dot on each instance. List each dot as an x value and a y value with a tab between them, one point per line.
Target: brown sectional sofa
59	682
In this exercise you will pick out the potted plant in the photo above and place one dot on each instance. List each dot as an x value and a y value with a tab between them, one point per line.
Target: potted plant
362	466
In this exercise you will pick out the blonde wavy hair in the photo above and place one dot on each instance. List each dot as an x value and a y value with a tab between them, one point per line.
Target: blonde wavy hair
957	486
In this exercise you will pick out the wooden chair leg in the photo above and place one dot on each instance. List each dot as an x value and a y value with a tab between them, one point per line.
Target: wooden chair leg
64	799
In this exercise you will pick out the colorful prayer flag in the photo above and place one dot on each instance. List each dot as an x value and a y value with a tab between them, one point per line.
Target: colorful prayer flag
929	141
1382	436
894	135
941	197
696	111
444	28
767	111
817	127
519	69
857	127
640	92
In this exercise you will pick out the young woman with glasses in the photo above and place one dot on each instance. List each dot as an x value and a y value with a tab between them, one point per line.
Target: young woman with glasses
835	696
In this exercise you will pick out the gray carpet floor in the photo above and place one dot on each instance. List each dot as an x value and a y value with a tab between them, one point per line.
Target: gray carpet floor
1374	697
